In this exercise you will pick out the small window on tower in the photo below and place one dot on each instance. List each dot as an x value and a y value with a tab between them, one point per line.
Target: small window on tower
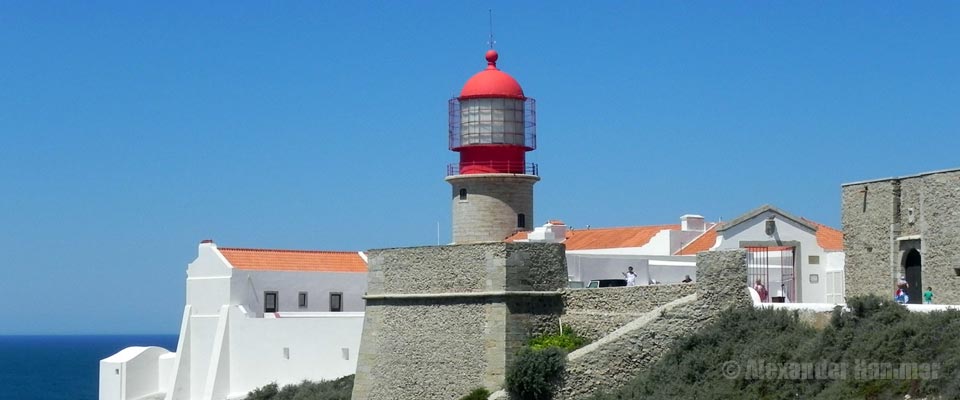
463	194
521	221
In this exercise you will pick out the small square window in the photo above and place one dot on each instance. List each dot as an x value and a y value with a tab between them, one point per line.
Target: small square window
814	278
302	300
813	259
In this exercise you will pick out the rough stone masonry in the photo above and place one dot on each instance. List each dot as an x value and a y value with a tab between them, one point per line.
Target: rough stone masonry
443	320
885	220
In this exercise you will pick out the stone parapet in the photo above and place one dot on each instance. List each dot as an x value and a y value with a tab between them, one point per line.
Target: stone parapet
633	300
594	313
476	267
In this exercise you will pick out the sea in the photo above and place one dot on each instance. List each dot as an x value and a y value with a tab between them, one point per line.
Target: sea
62	367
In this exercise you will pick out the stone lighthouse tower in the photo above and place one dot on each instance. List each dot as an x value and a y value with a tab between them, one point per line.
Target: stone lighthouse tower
492	126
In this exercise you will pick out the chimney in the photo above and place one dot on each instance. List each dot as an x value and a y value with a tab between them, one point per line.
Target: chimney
692	222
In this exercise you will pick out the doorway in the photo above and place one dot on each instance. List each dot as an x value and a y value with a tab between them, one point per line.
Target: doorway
775	268
912	271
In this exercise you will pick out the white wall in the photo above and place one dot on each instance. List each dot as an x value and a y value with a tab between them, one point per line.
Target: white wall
753	230
208	281
248	289
665	269
314	346
223	351
132	373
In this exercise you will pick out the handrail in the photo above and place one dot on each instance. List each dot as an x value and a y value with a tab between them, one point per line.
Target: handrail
492	167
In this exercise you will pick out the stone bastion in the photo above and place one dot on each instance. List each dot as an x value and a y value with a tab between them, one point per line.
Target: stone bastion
443	320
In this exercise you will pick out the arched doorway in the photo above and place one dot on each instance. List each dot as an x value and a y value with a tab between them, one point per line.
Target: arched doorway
912	271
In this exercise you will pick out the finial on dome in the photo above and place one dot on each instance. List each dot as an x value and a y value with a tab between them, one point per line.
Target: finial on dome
492	57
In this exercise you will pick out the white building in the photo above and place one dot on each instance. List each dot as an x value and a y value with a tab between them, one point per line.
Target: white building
799	260
795	258
604	253
252	317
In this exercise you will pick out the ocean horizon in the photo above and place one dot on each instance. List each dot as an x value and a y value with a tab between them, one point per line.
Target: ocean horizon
63	367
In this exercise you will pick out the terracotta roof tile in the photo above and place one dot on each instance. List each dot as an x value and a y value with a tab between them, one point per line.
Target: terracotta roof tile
828	238
294	260
522	235
606	238
611	238
703	242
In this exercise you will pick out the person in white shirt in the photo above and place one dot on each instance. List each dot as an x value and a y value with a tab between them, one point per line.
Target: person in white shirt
631	277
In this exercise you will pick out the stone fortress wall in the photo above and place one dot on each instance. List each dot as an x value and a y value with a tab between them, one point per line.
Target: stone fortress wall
594	313
441	321
884	219
613	360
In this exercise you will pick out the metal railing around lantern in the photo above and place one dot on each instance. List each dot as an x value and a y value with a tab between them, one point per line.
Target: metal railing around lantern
493	167
455	137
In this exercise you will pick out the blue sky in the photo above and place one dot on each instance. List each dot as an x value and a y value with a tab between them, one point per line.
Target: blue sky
132	130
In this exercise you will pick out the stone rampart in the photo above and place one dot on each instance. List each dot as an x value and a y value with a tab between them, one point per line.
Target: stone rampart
441	321
594	313
618	357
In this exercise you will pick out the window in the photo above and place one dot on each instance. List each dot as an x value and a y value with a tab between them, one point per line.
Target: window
463	194
336	302
302	300
521	221
269	302
813	259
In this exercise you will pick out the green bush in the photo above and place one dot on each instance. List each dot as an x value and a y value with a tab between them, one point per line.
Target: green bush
567	340
535	374
338	389
264	392
477	394
874	330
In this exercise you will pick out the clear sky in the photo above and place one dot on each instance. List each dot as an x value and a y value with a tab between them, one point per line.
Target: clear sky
132	130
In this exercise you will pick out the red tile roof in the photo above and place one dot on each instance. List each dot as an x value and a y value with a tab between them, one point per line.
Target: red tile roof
607	238
294	260
828	238
703	242
522	235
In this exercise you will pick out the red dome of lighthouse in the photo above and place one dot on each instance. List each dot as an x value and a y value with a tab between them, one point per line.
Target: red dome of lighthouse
492	82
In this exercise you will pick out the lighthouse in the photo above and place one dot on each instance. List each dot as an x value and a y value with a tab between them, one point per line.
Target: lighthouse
492	124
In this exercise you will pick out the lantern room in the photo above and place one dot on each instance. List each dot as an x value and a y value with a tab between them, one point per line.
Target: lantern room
492	124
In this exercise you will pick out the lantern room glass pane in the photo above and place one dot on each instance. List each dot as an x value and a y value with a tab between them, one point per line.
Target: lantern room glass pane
492	121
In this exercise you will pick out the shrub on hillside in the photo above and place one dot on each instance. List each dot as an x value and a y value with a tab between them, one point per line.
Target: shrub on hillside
338	389
535	374
477	394
874	330
567	340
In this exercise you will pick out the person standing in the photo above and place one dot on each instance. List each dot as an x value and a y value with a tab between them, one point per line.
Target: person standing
900	295
631	277
761	291
928	296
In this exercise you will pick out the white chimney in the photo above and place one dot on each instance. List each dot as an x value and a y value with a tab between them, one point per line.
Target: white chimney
553	231
692	222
